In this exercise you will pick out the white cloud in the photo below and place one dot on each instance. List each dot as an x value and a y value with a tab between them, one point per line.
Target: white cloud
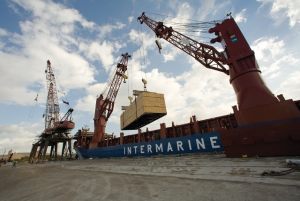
169	52
108	28
146	43
241	16
49	34
87	103
267	48
290	87
273	56
290	7
208	92
211	8
130	19
145	39
282	9
54	13
3	32
102	51
19	137
278	66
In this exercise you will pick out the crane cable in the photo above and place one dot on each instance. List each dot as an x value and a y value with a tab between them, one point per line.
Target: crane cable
110	78
193	28
143	58
193	21
129	81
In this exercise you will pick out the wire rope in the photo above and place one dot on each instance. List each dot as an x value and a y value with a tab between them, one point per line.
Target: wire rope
192	28
143	55
110	77
169	16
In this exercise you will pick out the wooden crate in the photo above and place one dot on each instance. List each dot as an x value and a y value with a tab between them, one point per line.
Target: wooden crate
146	108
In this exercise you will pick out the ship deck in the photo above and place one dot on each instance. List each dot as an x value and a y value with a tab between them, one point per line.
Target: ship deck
190	177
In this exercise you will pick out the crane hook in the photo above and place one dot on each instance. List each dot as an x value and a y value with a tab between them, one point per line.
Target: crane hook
145	84
158	45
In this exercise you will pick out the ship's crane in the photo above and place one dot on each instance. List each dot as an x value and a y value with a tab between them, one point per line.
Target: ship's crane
259	112
237	60
105	104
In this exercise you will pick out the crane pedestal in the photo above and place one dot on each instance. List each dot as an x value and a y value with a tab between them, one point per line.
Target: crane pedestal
273	138
266	130
39	149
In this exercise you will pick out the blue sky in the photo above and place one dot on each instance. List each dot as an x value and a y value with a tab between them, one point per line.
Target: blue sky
84	39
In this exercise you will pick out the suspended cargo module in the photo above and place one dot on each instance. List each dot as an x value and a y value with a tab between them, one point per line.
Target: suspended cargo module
146	108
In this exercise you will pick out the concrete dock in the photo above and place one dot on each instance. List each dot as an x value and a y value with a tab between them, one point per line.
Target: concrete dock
192	177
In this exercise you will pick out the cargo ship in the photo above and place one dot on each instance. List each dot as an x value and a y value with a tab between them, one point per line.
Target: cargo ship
261	124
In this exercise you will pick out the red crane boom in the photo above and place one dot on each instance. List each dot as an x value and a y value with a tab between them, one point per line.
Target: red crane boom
105	105
207	55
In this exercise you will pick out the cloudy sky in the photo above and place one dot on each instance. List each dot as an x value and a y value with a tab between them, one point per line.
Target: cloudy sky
84	40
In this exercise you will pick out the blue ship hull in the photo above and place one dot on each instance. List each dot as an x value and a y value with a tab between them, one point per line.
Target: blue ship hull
207	142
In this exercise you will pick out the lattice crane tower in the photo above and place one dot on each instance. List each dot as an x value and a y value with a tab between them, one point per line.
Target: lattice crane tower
52	106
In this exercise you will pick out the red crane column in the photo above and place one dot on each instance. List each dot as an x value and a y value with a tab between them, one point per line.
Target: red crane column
244	71
99	123
255	101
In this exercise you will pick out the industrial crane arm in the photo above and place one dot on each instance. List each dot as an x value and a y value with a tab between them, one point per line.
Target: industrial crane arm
119	76
67	115
105	103
207	55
